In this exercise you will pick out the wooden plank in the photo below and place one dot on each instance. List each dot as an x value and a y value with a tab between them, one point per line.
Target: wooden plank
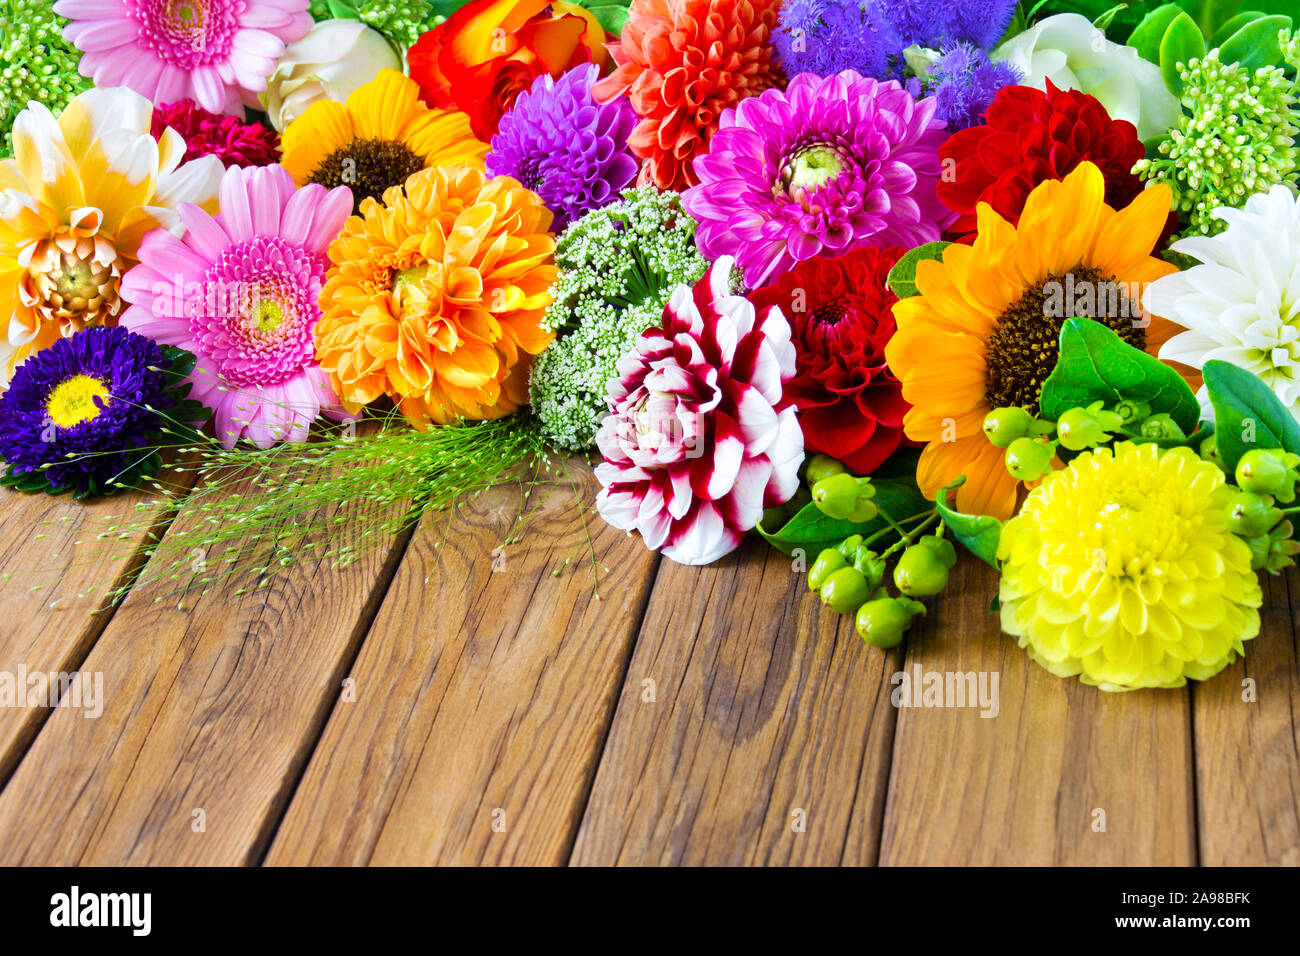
1024	787
1248	750
58	566
212	705
767	741
482	696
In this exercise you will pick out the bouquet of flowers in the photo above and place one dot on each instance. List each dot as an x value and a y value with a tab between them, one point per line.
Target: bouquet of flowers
875	280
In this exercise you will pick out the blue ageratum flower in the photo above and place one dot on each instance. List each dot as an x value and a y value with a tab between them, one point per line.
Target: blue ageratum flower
564	146
963	81
86	413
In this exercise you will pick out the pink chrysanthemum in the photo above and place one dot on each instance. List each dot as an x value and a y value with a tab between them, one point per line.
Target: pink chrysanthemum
218	53
240	291
700	438
214	134
823	167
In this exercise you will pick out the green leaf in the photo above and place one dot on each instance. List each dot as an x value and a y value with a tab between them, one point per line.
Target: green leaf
1255	44
1182	43
1103	21
978	533
1246	413
1211	14
902	278
1232	26
344	9
1146	38
1096	364
813	531
611	16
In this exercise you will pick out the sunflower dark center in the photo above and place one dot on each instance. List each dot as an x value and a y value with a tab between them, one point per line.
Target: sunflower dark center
368	167
1023	350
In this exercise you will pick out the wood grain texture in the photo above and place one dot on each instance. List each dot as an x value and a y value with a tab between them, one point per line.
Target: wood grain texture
482	696
1022	788
212	704
767	741
59	564
1248	751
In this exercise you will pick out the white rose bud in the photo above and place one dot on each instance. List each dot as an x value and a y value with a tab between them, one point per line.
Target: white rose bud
331	61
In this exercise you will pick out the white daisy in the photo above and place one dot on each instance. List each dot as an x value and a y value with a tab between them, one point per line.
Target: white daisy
1242	304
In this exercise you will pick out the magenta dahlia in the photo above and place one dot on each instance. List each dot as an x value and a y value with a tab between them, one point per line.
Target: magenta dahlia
240	291
218	53
214	134
700	437
822	167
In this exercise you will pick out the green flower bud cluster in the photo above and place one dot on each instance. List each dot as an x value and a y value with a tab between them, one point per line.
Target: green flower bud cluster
1236	138
618	266
38	64
402	21
1264	477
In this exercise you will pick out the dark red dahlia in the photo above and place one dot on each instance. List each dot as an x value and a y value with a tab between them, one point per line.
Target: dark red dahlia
850	405
212	134
1031	136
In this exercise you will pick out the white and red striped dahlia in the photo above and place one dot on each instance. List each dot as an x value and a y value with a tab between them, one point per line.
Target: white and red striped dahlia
700	437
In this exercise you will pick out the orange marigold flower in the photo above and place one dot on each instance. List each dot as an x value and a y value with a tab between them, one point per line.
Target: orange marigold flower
435	298
983	330
682	62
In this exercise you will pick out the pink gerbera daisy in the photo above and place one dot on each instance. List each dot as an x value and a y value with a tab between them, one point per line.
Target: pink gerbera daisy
218	53
240	292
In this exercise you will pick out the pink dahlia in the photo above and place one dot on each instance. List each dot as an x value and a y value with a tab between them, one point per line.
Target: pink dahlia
213	134
823	167
240	292
218	53
700	437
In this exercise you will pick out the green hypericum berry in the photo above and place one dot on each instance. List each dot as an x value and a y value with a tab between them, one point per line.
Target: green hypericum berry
1268	472
1078	429
920	572
844	590
849	546
1209	451
823	466
1130	411
1161	426
1002	426
870	564
1250	515
942	547
881	621
827	563
1029	459
845	498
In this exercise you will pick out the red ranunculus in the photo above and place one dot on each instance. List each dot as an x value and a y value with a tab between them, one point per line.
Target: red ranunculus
850	405
489	51
1032	136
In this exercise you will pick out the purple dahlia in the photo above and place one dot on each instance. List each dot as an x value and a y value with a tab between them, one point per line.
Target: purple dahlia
564	146
83	414
823	167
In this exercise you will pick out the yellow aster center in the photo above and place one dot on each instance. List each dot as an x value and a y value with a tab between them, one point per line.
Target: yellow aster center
73	401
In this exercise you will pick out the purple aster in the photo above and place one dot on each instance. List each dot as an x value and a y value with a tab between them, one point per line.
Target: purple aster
822	167
963	81
88	407
564	146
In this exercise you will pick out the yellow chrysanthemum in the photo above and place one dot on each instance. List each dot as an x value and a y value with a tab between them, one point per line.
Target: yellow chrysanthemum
980	335
1120	568
381	135
75	201
436	297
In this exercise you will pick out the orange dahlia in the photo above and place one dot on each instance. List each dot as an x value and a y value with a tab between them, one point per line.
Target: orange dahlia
435	298
982	332
681	63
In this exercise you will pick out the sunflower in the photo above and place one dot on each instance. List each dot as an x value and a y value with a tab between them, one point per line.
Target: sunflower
436	297
982	332
374	141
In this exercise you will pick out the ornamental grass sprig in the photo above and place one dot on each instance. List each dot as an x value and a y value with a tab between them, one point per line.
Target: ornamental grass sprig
618	265
1236	138
38	63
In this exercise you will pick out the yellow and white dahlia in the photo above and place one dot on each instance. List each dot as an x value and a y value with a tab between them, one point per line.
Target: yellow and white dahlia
77	198
1120	569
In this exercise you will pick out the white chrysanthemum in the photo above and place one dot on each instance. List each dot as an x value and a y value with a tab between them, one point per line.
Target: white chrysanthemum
1242	303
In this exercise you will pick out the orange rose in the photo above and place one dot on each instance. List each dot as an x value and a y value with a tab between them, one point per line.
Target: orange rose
489	51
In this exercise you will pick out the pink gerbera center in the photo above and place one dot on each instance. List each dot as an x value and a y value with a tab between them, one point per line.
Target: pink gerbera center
187	32
256	311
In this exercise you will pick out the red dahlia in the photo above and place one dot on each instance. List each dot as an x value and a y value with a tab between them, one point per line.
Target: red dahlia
1031	136
850	405
212	134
